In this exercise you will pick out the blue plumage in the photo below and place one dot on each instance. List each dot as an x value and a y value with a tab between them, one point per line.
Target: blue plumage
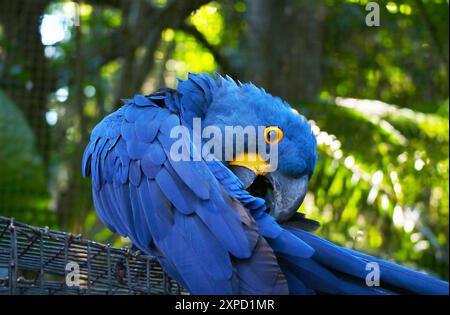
209	233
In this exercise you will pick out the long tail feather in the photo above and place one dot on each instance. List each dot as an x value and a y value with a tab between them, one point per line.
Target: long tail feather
334	269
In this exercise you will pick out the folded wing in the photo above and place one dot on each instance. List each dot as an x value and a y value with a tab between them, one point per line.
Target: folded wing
175	210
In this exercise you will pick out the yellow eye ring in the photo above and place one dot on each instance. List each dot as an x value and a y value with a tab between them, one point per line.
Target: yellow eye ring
273	135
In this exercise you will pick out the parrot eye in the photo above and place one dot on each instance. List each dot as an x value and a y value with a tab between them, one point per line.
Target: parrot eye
273	135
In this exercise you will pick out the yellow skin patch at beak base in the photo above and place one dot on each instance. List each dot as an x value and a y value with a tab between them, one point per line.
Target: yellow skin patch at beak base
252	161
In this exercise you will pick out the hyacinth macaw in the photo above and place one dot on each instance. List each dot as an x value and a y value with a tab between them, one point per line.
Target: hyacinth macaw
225	227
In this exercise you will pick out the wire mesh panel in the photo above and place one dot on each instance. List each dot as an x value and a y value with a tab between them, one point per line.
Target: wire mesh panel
41	261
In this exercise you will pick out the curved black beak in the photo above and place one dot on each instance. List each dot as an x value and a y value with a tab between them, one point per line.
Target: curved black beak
283	194
246	175
288	194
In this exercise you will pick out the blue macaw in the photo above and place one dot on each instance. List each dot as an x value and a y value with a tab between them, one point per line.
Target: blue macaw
225	227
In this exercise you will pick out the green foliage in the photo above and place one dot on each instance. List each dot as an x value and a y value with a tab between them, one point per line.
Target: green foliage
21	168
381	183
404	61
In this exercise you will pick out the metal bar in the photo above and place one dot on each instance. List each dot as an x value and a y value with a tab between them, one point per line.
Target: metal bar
108	263
41	258
88	268
4	231
147	266
165	286
63	249
100	251
27	248
43	251
66	254
13	263
127	266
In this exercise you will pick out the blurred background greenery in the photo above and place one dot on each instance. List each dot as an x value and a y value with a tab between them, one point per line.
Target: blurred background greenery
377	96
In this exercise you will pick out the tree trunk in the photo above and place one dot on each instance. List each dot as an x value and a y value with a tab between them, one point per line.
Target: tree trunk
283	47
25	74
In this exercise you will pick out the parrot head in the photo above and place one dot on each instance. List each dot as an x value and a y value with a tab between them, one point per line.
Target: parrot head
281	179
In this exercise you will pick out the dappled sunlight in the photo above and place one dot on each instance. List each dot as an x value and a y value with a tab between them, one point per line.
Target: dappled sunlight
378	106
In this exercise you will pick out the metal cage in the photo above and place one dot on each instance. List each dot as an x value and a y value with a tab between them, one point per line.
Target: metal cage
37	260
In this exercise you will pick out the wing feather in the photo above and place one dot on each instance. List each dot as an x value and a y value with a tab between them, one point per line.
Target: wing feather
177	210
